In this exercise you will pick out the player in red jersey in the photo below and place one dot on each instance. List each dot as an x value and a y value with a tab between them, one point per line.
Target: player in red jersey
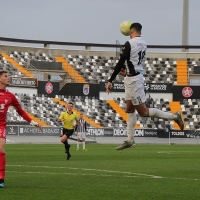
7	99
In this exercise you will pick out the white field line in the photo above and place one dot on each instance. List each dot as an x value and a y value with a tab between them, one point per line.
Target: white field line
85	169
178	152
76	174
126	174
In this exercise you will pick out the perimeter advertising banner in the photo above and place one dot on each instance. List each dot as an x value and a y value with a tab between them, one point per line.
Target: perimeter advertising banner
98	132
150	87
80	89
48	88
186	92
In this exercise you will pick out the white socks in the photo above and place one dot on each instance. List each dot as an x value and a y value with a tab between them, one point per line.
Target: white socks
132	119
154	112
83	143
77	145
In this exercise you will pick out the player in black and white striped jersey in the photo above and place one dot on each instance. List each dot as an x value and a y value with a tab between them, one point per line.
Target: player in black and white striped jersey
134	53
81	130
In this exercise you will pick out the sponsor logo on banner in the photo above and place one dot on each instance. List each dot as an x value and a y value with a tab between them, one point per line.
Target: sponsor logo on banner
187	92
45	131
139	132
95	132
191	136
158	87
120	132
178	133
49	88
150	133
155	86
118	86
86	89
31	82
108	132
12	130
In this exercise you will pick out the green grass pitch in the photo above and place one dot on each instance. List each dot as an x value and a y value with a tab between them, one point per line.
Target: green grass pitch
41	171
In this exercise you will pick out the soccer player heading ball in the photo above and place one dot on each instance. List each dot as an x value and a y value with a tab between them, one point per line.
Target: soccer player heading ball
134	53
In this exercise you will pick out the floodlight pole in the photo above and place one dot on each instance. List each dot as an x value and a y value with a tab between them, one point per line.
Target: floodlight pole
185	24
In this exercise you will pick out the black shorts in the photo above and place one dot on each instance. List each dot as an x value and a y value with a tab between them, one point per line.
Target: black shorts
68	132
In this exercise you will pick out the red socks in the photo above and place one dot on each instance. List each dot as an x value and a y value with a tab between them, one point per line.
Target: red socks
2	164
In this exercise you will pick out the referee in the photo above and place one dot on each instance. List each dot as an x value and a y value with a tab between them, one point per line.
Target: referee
68	118
81	128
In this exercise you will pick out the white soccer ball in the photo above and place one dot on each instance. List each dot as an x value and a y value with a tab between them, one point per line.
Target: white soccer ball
125	27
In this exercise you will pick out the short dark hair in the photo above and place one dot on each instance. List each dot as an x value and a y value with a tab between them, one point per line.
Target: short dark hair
70	103
136	26
3	72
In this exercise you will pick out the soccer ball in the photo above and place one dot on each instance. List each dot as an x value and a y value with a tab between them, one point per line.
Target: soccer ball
125	27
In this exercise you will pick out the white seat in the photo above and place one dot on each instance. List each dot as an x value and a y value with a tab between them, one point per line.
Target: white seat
183	109
109	125
193	62
187	126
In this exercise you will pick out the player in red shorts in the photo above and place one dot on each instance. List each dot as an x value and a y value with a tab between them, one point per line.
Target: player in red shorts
7	99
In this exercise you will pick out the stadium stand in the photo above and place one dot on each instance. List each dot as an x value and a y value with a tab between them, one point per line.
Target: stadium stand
95	69
5	65
14	63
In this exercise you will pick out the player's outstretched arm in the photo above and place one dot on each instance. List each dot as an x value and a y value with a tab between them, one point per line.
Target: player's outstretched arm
23	114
